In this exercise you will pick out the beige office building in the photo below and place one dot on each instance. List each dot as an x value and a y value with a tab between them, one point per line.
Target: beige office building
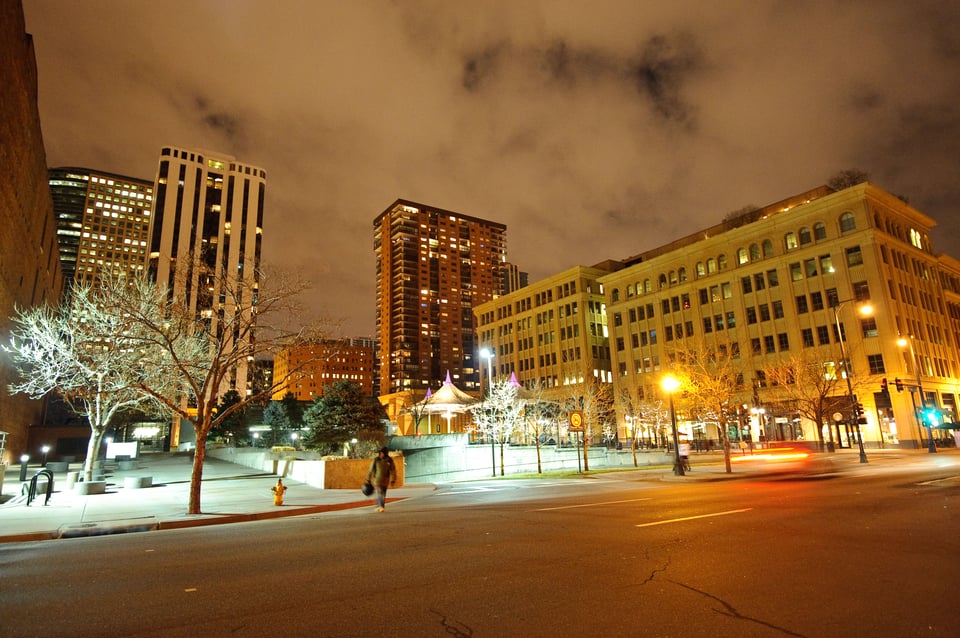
551	334
787	278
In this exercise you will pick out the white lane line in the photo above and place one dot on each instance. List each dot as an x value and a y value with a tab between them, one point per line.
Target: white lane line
570	507
691	518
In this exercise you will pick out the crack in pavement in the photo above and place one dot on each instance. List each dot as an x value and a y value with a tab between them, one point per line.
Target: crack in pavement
730	610
451	629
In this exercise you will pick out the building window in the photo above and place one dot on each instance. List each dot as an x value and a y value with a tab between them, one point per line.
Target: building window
758	281
754	252
861	290
783	341
810	267
805	236
746	284
876	364
869	327
854	256
751	316
778	310
718	321
826	264
819	231
790	241
767	248
796	274
707	324
764	312
816	300
772	280
769	346
847	222
731	320
806	336
742	256
755	345
823	335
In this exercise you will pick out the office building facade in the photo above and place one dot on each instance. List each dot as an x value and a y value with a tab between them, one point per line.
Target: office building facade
434	267
789	278
102	222
205	237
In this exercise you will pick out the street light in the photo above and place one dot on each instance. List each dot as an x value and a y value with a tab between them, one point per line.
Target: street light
487	353
931	446
670	384
865	310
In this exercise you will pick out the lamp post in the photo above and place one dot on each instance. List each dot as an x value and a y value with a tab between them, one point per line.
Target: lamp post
487	353
931	446
865	310
670	384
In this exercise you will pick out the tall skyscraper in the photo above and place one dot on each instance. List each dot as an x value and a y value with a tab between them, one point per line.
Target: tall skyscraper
433	267
206	233
102	222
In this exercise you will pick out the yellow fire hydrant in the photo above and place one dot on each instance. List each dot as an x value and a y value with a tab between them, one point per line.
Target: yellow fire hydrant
278	491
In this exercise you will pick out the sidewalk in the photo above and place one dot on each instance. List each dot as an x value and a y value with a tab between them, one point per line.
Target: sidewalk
230	493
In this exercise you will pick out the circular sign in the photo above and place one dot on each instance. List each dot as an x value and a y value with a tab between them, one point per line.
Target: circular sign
838	416
576	421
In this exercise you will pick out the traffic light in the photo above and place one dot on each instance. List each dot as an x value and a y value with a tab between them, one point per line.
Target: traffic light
899	384
883	386
861	414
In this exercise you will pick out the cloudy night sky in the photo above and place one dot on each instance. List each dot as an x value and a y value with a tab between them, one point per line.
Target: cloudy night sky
593	130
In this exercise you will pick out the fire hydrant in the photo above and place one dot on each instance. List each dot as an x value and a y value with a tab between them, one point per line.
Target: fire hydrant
278	491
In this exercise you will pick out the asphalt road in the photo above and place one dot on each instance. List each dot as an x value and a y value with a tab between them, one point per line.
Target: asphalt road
871	553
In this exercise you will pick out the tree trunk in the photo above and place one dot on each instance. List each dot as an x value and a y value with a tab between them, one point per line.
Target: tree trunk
633	446
501	459
93	451
586	461
539	464
196	477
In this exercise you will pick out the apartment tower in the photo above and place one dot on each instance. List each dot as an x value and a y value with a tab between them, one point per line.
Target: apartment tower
434	267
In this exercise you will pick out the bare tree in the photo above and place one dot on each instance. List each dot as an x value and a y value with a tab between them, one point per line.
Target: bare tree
190	356
806	380
501	415
594	398
539	411
847	178
712	375
83	351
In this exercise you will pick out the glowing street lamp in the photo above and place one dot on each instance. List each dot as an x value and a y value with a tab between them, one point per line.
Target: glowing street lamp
866	310
671	384
931	446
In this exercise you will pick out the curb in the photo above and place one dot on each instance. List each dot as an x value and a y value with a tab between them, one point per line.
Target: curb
150	523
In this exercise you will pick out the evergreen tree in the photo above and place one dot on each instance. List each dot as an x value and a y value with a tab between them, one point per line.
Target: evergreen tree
342	414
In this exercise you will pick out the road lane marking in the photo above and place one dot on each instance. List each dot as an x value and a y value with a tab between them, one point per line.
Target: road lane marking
570	507
691	518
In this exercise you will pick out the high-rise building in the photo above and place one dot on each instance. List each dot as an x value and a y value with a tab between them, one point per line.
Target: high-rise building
30	272
102	222
513	278
787	279
307	369
205	236
434	267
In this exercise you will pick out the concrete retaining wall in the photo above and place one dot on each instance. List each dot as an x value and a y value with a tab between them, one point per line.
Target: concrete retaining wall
324	474
434	459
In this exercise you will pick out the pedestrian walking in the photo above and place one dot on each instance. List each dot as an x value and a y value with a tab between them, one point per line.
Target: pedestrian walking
382	473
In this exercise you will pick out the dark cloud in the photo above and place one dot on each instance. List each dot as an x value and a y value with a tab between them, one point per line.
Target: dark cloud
661	73
593	130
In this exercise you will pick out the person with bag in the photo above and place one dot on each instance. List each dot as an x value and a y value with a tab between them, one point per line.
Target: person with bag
382	473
